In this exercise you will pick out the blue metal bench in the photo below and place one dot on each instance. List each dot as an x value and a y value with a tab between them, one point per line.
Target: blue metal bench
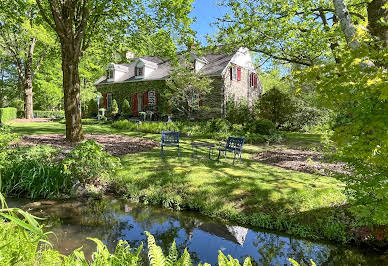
233	145
169	139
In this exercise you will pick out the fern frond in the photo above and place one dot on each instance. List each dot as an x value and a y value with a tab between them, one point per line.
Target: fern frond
172	254
185	260
293	262
155	253
247	262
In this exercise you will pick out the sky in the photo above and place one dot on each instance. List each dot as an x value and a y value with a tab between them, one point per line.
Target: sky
206	12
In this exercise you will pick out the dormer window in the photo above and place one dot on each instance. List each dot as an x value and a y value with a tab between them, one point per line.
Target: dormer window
109	74
139	71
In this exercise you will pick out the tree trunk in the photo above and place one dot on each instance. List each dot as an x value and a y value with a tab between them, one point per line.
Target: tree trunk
28	104
27	82
376	15
347	26
71	89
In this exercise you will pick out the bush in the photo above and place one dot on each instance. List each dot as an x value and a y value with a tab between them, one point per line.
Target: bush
8	113
260	126
126	108
34	172
18	104
87	161
237	113
276	106
115	107
49	114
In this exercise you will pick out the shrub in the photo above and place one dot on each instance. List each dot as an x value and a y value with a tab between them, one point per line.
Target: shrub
276	106
91	109
115	107
34	172
49	114
126	108
18	104
88	161
8	113
237	113
260	126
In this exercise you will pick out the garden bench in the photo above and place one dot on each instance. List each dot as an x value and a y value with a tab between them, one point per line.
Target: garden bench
233	145
169	139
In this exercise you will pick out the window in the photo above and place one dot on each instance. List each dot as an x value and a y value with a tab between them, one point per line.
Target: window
139	71
109	74
235	73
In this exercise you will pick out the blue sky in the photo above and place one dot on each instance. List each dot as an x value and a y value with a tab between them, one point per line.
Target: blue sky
206	12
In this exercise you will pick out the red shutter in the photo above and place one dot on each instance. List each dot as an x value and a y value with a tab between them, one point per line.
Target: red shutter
200	100
105	100
134	105
255	81
239	73
145	98
231	73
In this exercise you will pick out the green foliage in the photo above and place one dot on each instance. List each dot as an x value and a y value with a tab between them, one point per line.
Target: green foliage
87	161
219	129
7	113
49	114
185	89
360	132
126	108
91	109
276	106
18	104
260	126
237	113
115	107
34	172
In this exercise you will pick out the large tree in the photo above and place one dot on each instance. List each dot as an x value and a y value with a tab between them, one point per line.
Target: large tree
79	22
25	41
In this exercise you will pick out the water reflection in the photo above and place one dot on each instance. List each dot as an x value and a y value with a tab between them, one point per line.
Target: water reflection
112	220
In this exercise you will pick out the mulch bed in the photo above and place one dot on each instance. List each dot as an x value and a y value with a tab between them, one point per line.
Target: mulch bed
301	161
114	144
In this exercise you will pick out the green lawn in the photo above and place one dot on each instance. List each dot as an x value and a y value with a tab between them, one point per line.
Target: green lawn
251	193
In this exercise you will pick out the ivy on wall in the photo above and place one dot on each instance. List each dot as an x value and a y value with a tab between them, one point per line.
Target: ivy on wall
212	102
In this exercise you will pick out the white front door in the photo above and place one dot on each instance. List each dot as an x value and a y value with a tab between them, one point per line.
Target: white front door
140	102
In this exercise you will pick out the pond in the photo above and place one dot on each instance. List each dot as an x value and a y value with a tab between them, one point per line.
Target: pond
111	220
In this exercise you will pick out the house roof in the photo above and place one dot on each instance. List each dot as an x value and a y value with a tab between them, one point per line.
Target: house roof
216	63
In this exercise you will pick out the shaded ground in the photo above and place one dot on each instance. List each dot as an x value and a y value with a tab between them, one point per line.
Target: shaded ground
114	144
300	160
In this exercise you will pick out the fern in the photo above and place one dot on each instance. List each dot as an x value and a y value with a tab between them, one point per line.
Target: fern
155	253
185	260
230	261
172	255
295	263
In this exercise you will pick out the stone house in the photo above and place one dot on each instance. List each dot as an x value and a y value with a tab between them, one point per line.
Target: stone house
143	81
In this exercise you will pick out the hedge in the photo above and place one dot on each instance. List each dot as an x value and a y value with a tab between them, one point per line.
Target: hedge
49	114
6	114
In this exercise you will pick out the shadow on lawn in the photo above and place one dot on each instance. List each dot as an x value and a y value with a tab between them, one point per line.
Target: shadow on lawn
217	187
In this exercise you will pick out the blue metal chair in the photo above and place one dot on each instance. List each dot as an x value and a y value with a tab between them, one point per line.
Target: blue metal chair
170	139
233	145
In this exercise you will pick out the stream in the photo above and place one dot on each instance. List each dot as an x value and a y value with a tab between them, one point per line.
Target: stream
111	220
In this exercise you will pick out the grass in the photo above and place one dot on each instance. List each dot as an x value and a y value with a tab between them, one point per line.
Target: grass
250	193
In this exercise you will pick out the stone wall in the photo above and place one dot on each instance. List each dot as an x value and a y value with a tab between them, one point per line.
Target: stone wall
239	89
